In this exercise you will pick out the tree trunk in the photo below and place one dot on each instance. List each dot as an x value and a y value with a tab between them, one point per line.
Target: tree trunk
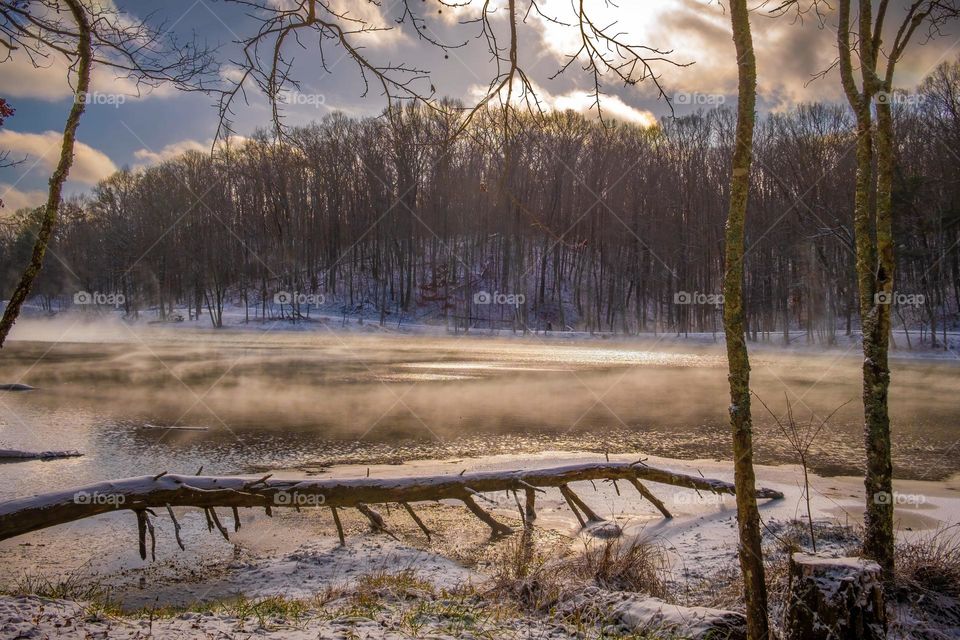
49	221
748	516
874	265
878	535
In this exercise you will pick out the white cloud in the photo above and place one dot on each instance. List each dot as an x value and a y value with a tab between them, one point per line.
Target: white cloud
14	199
43	149
146	157
613	106
19	78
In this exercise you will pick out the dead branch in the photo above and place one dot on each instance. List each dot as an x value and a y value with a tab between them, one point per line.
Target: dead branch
497	528
176	528
417	519
377	523
336	521
571	495
646	493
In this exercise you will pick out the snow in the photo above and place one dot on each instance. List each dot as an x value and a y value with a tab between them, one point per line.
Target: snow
281	557
32	617
687	622
854	565
323	563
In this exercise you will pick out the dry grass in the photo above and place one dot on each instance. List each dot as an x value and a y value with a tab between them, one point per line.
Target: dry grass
636	565
540	580
931	562
71	586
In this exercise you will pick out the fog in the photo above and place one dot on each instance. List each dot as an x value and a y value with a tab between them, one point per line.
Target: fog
326	391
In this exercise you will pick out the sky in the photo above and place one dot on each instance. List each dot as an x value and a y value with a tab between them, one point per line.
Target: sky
123	129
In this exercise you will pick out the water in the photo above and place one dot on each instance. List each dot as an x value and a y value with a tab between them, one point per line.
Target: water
243	402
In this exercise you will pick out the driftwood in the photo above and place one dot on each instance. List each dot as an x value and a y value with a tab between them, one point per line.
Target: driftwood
144	494
17	454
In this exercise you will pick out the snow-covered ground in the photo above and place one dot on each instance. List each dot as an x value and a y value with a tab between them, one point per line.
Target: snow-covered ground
297	556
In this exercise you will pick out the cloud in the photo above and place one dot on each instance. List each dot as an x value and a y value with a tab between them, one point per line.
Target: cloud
146	157
43	149
580	101
15	199
789	52
49	82
612	106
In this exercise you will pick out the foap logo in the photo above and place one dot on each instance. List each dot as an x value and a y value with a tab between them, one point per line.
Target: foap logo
895	498
295	98
899	98
98	498
687	498
108	99
685	297
900	299
298	499
99	298
700	99
512	299
298	298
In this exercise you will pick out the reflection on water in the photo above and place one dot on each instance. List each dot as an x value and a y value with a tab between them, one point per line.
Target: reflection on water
257	400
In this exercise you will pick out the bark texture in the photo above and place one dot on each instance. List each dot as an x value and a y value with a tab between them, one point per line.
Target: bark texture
748	516
49	221
873	230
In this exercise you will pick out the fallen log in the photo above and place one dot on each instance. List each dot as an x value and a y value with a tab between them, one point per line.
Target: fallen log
165	490
17	454
15	386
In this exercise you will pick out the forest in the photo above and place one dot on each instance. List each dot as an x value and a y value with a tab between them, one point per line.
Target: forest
604	227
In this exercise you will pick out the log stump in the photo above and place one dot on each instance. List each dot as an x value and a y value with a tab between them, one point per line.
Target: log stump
834	599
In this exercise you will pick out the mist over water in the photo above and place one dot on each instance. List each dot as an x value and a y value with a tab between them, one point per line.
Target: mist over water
243	401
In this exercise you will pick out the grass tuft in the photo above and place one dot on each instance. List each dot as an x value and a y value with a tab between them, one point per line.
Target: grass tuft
931	562
539	580
636	565
72	586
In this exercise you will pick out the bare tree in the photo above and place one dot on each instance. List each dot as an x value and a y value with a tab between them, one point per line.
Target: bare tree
316	215
90	35
874	228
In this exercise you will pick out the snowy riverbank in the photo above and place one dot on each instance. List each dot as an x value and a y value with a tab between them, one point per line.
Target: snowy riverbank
296	555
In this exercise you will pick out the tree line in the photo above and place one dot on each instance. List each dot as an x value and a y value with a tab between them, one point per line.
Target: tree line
569	224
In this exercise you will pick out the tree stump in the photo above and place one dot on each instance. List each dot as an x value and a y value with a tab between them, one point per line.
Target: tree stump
834	599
